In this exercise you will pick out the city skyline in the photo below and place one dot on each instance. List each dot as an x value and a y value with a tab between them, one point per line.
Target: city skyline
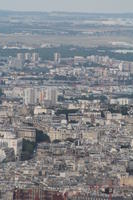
93	6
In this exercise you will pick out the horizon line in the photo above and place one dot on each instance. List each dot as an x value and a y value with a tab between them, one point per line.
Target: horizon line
59	11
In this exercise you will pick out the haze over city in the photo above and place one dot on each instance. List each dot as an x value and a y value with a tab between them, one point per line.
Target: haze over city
66	100
69	5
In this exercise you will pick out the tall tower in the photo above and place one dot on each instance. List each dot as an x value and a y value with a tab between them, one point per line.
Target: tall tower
28	56
35	57
57	58
30	96
52	95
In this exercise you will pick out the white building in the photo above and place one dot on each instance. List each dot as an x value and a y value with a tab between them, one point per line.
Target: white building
39	110
30	96
2	155
28	56
123	101
35	57
15	62
57	58
52	95
120	101
34	95
8	139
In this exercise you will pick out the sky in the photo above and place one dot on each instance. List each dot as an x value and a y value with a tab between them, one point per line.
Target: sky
68	5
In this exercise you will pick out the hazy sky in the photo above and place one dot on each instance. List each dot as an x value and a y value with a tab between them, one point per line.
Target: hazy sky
69	5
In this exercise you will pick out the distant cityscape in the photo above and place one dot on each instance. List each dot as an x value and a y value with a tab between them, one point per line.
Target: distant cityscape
66	106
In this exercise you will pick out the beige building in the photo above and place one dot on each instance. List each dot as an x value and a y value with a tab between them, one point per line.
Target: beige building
61	134
27	133
90	135
8	139
126	181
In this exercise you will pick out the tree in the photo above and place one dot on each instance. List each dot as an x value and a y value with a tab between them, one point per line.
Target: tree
56	141
42	137
1	93
28	148
102	114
